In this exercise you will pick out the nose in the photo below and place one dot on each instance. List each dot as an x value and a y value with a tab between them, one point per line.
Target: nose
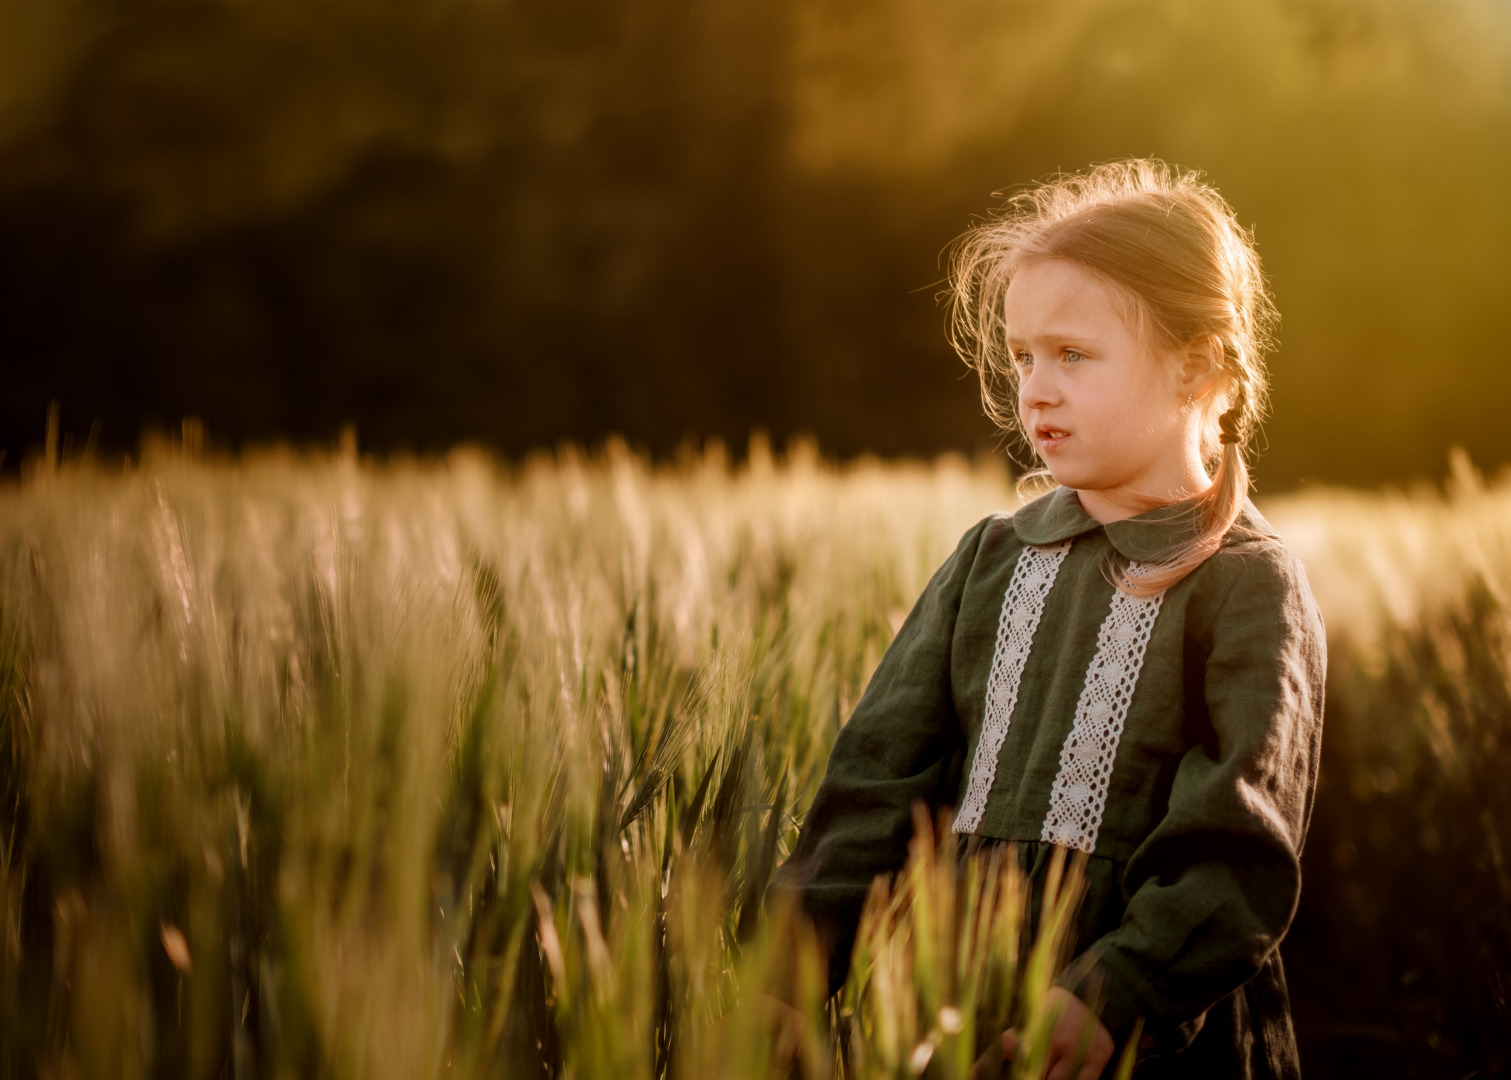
1036	388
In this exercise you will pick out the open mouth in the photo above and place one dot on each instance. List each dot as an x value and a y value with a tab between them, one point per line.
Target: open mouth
1050	434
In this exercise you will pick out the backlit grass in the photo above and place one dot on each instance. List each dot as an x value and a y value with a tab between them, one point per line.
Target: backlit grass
320	766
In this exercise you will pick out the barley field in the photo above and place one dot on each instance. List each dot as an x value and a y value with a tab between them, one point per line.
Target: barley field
313	765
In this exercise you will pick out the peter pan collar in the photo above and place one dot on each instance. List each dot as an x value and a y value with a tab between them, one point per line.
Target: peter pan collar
1153	536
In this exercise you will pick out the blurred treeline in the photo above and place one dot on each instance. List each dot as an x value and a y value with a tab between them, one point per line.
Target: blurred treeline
521	221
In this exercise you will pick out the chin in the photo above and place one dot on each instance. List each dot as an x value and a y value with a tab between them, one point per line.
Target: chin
1070	478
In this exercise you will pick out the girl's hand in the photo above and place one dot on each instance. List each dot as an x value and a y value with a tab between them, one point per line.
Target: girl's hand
786	1026
1069	1035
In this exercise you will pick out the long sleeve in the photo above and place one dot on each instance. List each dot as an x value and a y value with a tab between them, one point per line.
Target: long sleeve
1213	888
902	744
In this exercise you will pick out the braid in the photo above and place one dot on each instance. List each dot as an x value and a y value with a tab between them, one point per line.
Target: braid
1234	425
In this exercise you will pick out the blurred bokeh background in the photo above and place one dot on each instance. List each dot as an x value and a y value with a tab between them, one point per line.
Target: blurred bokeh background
524	221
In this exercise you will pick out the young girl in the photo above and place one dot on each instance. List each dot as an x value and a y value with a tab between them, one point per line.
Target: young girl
1132	665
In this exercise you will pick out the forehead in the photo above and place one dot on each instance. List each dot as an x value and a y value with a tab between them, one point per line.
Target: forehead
1058	298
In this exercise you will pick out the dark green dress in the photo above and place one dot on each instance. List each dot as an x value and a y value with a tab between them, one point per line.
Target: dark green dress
1175	739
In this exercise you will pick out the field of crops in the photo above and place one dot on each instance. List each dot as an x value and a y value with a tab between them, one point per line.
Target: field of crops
311	765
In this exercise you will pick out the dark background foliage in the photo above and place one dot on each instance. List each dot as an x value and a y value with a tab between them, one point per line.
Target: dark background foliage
519	222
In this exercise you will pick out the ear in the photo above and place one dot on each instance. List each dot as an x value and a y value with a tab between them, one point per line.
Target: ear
1200	364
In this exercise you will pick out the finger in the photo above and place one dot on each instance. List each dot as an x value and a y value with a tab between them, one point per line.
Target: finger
1009	1043
1059	1065
1094	1062
789	1040
1089	1071
989	1066
785	1051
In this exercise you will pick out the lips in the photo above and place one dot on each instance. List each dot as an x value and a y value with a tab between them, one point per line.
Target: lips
1049	437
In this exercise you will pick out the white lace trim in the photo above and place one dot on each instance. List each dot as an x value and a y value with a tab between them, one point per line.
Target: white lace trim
1079	795
1022	606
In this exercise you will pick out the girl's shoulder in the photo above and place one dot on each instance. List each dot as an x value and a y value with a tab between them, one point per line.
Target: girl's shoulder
1254	584
1253	550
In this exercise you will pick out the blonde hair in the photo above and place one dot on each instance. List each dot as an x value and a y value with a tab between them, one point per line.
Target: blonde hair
1171	247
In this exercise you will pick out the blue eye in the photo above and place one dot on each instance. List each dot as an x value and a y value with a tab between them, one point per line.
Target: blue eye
1073	355
1023	359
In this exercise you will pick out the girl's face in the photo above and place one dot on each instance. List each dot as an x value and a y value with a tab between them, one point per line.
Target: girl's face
1104	411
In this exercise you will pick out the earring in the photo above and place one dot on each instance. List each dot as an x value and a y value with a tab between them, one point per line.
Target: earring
1188	401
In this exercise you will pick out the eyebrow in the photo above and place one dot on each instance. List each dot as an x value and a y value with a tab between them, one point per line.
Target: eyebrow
1057	337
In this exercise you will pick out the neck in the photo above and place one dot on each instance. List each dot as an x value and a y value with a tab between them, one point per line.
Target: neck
1115	504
